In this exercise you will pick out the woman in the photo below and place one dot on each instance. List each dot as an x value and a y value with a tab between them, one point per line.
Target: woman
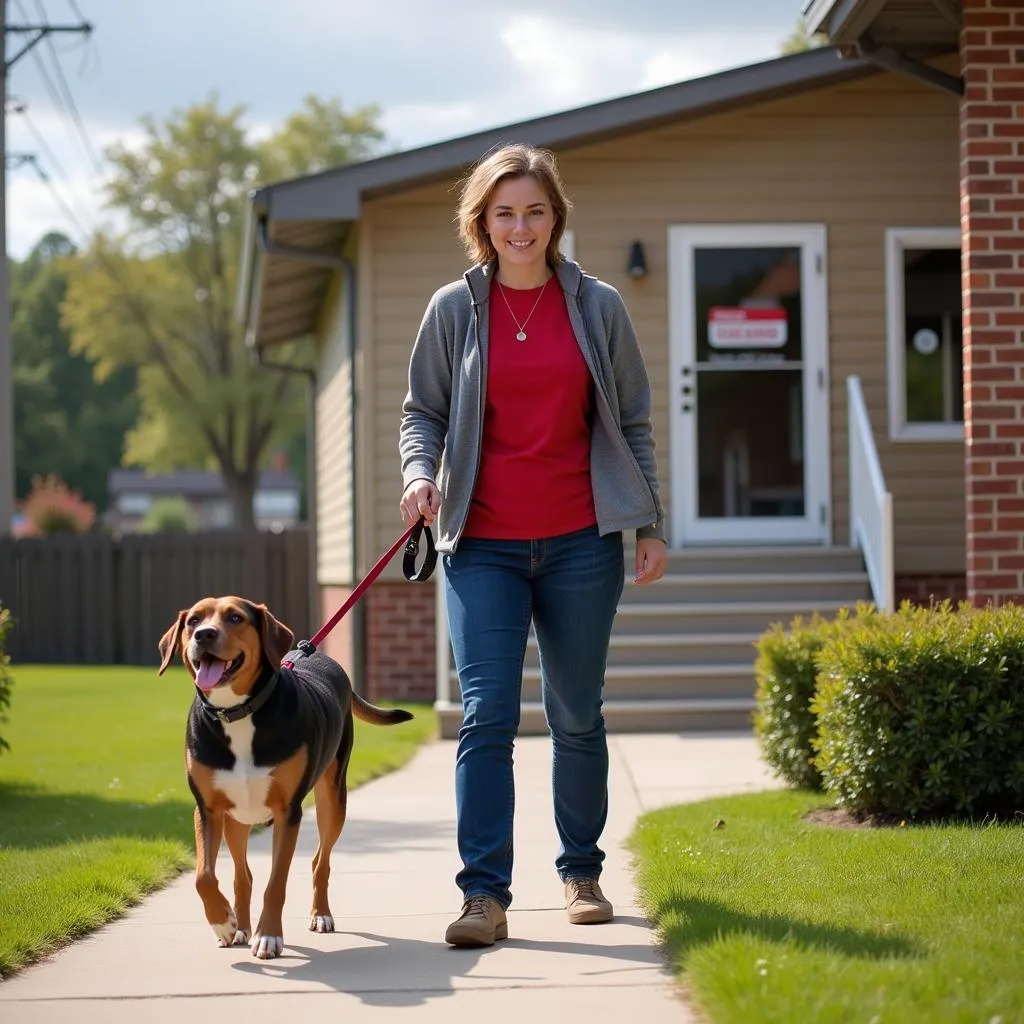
526	430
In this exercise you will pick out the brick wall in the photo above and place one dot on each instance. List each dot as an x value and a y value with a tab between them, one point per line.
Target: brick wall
400	643
992	219
926	589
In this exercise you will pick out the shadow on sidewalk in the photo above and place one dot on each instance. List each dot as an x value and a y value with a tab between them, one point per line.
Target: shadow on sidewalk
370	837
398	972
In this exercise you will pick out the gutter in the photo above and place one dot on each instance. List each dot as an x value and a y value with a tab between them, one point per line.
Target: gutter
247	310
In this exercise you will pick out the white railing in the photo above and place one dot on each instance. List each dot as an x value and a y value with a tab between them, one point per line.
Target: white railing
870	502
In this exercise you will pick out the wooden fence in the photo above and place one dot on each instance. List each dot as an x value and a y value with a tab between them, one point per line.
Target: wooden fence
91	599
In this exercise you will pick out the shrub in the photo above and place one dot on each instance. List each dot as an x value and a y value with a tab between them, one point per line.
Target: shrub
52	507
6	682
786	670
167	514
921	713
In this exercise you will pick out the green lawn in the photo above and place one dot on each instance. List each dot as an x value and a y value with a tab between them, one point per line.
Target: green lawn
94	808
771	918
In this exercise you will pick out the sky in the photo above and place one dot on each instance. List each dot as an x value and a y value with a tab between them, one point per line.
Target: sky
436	68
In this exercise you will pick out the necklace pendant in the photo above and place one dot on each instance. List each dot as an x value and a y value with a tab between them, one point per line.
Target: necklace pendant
521	336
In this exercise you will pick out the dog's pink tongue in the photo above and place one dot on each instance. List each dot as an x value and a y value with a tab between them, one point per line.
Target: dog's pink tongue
209	672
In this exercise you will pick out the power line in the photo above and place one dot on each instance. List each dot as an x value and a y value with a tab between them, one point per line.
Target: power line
21	159
69	99
35	34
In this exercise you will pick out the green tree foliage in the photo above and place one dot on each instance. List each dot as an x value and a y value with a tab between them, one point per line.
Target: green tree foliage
66	422
160	297
802	40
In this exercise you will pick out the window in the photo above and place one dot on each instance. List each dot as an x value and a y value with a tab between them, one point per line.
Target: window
270	504
925	334
134	503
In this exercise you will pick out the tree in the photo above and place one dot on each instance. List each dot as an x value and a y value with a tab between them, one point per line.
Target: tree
802	40
160	296
66	423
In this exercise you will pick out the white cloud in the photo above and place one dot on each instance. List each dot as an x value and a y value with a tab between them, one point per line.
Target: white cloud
412	123
567	64
696	56
438	72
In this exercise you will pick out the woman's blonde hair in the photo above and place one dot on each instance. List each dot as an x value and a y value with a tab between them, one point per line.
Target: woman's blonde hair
516	160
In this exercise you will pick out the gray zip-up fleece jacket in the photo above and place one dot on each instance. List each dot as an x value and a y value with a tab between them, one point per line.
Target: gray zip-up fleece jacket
443	414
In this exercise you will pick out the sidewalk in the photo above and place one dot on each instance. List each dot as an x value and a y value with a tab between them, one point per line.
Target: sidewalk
392	893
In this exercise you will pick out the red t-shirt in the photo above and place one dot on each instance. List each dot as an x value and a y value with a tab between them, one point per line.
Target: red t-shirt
534	476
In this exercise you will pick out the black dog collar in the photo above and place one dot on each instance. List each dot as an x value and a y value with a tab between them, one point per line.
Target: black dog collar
240	711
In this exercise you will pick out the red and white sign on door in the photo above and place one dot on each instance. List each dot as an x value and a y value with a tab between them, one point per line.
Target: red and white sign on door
738	327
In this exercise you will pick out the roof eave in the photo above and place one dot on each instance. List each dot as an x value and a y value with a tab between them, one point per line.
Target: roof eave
337	194
842	21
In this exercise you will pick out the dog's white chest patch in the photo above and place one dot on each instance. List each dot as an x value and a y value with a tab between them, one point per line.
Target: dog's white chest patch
245	785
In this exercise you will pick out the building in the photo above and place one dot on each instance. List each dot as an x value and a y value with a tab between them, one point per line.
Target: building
132	493
787	238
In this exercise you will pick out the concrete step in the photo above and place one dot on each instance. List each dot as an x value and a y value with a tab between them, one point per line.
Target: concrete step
716	616
679	715
755	559
655	682
669	648
691	587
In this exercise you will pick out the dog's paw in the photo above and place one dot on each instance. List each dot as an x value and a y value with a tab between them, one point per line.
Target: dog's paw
226	931
242	937
267	947
321	923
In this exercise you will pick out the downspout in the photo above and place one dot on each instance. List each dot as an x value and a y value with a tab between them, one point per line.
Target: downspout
339	262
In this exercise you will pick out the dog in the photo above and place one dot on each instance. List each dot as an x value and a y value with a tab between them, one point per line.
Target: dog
260	736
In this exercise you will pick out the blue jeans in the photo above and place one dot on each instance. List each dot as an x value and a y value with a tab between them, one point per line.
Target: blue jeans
569	586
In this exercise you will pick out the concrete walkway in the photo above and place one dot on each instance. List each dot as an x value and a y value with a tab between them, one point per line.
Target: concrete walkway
392	894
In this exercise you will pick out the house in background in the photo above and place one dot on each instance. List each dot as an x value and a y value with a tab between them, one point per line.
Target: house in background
786	237
132	493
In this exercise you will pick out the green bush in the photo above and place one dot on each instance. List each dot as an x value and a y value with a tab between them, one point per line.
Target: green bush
786	670
921	713
6	682
167	515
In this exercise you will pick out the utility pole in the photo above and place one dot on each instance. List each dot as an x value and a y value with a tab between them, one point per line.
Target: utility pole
29	36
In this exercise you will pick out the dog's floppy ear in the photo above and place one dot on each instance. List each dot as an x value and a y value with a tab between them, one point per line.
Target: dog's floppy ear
277	637
169	641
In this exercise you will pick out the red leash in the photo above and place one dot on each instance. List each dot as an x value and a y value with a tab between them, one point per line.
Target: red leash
411	540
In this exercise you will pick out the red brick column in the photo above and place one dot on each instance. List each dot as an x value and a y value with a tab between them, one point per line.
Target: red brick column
992	219
400	641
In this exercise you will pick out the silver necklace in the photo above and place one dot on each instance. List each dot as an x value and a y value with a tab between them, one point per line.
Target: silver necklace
521	335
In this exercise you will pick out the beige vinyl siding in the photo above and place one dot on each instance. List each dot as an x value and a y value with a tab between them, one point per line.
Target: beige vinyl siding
334	443
858	158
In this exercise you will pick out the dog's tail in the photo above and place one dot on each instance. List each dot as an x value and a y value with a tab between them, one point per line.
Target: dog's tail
377	716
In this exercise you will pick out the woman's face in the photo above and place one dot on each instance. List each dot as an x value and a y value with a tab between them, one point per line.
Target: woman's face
519	219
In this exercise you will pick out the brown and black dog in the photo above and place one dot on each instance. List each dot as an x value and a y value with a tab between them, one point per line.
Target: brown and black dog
261	736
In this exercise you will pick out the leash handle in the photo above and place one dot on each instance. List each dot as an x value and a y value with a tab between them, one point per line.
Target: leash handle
411	540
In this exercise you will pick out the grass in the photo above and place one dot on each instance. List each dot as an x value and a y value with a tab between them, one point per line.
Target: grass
94	808
771	918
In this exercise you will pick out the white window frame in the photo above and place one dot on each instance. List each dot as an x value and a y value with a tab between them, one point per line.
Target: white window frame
896	241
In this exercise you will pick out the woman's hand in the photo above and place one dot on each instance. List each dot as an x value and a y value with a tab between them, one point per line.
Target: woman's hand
651	560
421	498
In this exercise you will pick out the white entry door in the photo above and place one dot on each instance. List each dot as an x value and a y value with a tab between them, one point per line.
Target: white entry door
749	384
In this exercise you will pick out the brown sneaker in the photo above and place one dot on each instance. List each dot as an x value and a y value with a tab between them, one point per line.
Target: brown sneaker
481	923
585	903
